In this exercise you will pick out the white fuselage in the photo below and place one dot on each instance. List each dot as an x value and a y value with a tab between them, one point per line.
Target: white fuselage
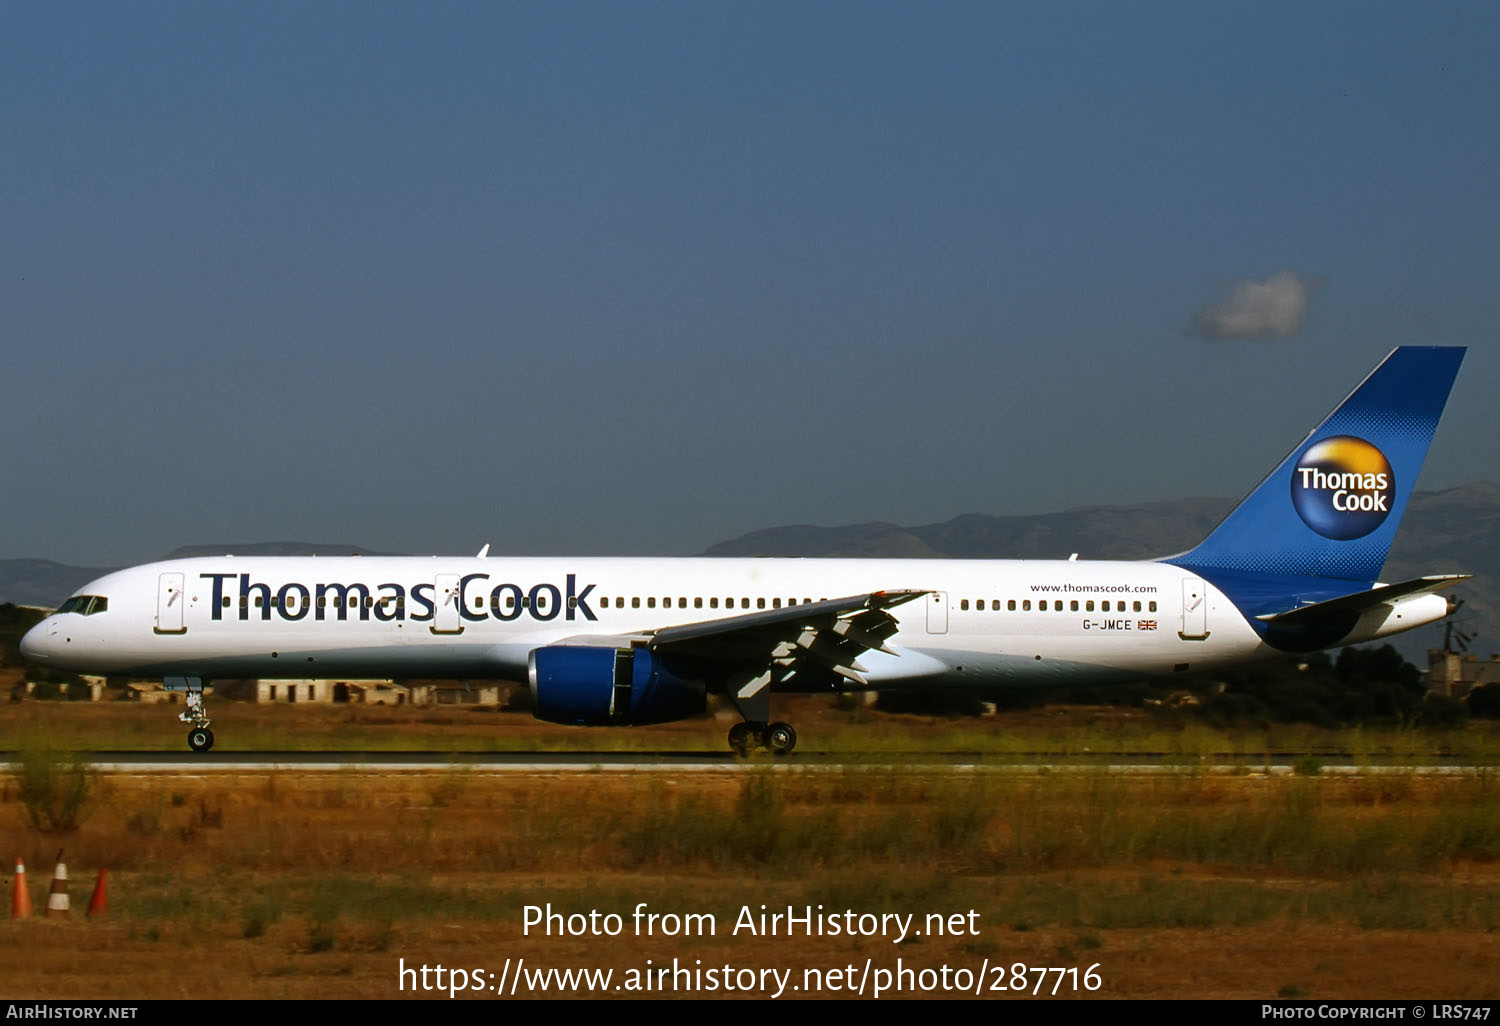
980	622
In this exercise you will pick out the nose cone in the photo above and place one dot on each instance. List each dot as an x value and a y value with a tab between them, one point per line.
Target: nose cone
34	644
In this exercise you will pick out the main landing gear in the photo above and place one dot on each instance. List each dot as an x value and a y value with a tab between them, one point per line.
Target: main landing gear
778	738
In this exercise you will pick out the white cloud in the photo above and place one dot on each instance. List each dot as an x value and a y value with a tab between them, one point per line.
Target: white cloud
1273	308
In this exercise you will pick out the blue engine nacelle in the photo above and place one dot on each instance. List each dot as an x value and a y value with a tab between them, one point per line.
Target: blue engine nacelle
582	684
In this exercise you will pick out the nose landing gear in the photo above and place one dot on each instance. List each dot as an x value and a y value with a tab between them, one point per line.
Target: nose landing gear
200	738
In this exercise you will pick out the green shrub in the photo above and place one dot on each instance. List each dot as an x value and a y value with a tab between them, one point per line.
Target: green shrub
56	787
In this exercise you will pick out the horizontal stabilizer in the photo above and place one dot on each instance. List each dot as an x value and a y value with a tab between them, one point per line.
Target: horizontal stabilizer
1363	600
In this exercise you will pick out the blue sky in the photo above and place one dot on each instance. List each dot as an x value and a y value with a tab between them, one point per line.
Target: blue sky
639	277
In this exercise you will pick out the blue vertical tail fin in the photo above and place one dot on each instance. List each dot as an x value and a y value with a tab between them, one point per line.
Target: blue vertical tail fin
1331	508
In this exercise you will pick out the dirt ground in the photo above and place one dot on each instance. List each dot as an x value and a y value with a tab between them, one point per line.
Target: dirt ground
326	885
113	959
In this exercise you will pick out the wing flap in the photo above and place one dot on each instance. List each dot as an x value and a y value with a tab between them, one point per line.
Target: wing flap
807	612
821	640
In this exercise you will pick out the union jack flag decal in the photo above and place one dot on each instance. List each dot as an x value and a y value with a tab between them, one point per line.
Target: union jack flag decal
1145	625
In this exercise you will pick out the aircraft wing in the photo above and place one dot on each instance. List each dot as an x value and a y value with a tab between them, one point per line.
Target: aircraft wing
816	641
1361	601
810	646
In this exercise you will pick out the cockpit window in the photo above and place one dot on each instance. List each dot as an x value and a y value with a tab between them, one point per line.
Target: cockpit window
85	604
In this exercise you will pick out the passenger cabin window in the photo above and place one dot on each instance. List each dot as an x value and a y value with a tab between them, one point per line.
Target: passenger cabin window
963	604
1011	605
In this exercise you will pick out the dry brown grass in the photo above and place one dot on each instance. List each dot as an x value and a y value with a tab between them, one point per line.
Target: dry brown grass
316	884
1053	732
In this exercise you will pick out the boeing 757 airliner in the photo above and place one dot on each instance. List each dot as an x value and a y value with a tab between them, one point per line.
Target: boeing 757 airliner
1293	568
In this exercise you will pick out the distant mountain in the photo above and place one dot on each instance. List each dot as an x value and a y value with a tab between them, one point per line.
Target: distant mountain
1457	530
277	548
41	582
1094	532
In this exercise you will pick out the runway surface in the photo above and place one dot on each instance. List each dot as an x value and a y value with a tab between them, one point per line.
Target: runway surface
723	762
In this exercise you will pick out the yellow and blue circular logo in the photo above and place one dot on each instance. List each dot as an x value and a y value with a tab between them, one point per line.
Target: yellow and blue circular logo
1343	487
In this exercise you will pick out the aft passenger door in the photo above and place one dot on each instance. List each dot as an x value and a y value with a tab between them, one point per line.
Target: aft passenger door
1194	610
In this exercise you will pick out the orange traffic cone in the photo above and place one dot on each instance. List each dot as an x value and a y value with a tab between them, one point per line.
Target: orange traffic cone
20	894
100	901
57	898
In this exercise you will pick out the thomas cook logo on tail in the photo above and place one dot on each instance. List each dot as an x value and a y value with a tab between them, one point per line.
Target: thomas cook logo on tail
1342	487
